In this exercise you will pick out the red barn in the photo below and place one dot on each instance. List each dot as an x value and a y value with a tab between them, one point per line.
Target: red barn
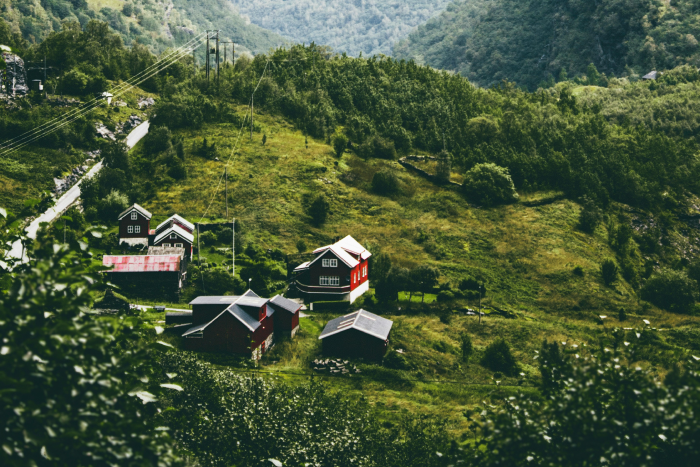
339	272
358	335
245	325
144	274
134	226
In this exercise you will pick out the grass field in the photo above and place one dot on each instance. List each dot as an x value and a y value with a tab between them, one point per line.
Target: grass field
525	253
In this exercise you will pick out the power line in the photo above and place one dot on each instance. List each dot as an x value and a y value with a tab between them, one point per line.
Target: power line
55	124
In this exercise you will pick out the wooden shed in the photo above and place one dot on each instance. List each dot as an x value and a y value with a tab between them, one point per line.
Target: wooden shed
358	335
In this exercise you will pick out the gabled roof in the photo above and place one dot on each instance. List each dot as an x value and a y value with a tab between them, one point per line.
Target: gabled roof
137	208
362	321
250	293
142	263
181	220
302	266
176	229
341	254
247	300
651	75
193	329
249	322
344	249
279	302
215	300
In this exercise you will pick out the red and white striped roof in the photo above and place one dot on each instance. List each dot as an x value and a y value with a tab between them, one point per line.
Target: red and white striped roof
142	263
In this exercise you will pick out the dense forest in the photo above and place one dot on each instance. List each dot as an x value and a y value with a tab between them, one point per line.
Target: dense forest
533	41
369	27
157	25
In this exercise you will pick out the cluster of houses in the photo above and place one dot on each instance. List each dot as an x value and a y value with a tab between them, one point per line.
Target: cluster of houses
249	324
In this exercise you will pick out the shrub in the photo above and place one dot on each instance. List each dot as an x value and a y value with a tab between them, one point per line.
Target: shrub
671	290
75	82
207	238
443	347
609	271
608	405
113	205
385	182
340	144
489	184
467	347
471	284
498	357
301	246
395	361
319	209
578	270
590	216
622	314
157	140
378	147
445	296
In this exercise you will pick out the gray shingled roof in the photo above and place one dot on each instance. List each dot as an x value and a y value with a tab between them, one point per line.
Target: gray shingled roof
362	321
284	303
215	300
251	301
250	293
250	322
194	329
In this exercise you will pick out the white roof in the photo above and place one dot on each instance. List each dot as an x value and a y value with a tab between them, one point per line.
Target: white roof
343	249
138	208
302	266
180	219
177	230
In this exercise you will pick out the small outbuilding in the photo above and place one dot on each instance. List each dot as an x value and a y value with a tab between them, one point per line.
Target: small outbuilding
358	335
146	275
652	75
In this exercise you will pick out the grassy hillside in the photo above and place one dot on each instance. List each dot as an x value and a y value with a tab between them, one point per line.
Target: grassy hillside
527	42
369	27
158	25
525	253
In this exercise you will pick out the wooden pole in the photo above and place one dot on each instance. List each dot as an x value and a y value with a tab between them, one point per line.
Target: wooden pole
217	57
233	249
479	304
252	107
226	183
199	250
207	57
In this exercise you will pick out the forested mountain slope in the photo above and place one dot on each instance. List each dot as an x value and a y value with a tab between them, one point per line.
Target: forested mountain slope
527	41
157	25
359	26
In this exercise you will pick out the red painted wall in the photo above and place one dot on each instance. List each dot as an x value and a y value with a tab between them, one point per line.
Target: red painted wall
141	221
285	321
227	334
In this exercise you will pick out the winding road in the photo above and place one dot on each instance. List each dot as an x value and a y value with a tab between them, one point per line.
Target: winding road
71	196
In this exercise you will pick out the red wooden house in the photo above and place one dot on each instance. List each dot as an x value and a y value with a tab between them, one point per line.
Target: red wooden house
244	325
339	272
134	226
358	335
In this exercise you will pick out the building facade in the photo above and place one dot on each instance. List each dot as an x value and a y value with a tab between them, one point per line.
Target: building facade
339	272
245	325
134	226
357	335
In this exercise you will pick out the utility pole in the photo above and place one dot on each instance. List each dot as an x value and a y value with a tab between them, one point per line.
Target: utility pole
226	184
207	57
233	249
252	105
217	57
46	93
479	303
199	249
194	62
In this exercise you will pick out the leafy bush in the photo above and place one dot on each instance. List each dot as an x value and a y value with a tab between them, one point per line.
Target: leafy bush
60	367
466	347
445	296
340	144
589	217
498	357
243	419
608	409
116	155
609	271
377	147
158	139
113	205
301	246
444	167
396	361
671	290
319	209
385	182
489	184
207	238
578	270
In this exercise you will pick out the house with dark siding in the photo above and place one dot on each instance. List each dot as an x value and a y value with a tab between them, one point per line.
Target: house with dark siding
338	272
357	335
244	325
153	275
135	226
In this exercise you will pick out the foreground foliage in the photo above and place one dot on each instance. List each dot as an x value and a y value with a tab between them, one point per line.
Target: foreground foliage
600	409
73	384
226	418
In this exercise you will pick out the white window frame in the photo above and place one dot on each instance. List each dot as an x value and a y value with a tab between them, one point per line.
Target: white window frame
330	281
179	245
137	229
173	236
329	263
166	245
134	216
130	229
